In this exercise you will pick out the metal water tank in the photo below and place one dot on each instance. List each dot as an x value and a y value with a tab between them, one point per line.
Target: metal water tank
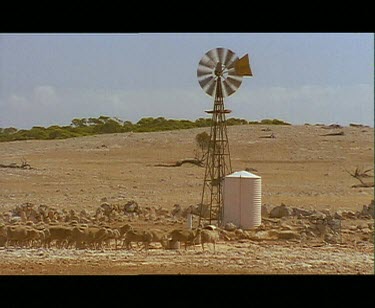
242	194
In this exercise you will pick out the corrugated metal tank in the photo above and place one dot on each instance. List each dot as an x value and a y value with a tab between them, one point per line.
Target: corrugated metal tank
243	199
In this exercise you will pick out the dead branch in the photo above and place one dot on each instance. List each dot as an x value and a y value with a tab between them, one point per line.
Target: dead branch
196	162
269	136
359	174
332	126
24	165
334	134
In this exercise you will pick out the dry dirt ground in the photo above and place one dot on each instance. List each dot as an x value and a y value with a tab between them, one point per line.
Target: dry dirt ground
300	168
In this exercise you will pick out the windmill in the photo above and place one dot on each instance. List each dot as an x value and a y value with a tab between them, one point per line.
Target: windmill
220	74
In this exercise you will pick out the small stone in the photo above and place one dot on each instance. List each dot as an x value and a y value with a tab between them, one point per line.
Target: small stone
229	226
366	230
265	210
280	211
338	215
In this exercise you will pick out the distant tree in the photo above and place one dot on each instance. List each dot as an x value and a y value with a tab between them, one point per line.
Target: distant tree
273	122
203	122
94	121
234	121
104	119
79	122
9	130
203	142
127	126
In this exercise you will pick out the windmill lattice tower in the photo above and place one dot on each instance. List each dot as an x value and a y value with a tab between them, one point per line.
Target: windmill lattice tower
220	74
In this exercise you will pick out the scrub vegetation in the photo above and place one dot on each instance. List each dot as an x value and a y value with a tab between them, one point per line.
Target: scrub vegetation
109	125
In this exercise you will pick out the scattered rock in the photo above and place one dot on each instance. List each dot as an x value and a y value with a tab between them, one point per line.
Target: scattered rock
280	211
241	234
338	215
285	226
132	207
316	215
349	215
285	235
331	238
177	211
265	210
301	212
368	210
229	226
366	230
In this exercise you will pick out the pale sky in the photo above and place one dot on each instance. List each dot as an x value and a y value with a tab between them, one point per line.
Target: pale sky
48	79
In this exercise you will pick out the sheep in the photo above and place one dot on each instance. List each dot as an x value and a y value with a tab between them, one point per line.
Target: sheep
85	234
105	234
59	233
125	228
16	234
186	236
137	236
159	236
34	235
113	234
146	237
209	236
3	235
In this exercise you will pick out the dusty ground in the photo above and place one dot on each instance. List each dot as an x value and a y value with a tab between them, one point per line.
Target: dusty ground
299	168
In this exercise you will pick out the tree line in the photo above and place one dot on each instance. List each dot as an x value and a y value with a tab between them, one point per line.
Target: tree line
110	125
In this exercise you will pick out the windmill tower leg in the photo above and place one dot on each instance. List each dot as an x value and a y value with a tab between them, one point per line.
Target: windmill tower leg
218	164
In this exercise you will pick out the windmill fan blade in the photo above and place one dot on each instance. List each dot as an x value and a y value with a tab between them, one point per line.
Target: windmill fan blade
227	90
211	87
234	81
231	61
232	71
202	76
204	81
228	58
213	55
222	52
207	61
202	70
208	64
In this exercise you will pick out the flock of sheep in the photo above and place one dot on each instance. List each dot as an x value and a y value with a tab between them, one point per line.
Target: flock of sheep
84	236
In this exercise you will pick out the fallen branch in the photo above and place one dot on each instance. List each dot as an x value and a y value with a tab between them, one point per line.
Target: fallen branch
269	136
332	126
363	185
334	134
14	165
196	162
359	174
24	165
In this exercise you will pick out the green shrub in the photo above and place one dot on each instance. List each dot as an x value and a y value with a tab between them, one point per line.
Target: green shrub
202	140
273	122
